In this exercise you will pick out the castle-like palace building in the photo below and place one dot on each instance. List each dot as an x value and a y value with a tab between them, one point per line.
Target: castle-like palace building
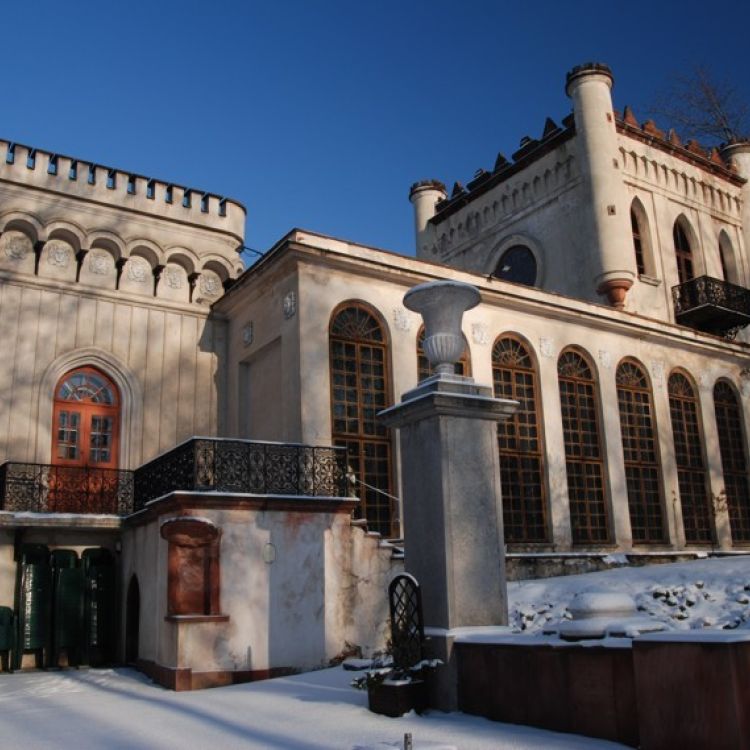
186	444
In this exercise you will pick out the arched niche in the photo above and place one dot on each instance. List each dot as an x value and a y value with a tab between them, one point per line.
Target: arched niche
642	242
58	260
137	276
98	269
17	252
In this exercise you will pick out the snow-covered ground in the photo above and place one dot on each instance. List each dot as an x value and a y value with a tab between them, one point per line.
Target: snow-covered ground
119	709
711	593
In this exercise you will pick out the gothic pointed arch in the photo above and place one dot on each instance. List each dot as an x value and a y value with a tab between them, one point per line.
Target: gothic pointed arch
730	427
641	232
359	363
520	442
728	259
683	238
692	477
640	451
584	454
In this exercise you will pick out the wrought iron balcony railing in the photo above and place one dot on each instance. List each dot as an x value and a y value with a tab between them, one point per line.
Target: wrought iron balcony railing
41	488
711	305
243	466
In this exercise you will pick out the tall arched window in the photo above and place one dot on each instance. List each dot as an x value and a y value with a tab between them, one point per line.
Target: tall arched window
683	253
520	445
424	370
688	450
728	260
359	390
733	462
637	244
86	419
584	460
639	448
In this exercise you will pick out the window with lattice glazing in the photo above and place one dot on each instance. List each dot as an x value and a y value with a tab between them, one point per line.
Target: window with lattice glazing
424	369
584	459
519	441
733	460
640	451
359	390
688	451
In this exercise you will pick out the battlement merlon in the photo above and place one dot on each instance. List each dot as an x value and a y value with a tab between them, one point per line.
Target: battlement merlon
56	173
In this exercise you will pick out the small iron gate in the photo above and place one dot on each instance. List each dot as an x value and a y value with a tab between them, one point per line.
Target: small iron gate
407	624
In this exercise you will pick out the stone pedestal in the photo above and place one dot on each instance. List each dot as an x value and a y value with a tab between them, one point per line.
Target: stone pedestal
453	522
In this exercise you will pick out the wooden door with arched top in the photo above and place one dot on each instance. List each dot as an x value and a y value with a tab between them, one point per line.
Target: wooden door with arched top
85	442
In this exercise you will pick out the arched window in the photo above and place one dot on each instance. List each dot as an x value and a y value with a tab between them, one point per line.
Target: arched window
520	445
584	460
639	448
728	260
424	370
688	451
733	462
517	264
86	419
359	390
637	243
683	253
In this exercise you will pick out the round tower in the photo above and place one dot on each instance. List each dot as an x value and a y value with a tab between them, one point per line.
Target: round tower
589	86
424	196
738	154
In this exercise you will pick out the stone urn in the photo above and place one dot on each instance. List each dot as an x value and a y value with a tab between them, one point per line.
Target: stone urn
442	305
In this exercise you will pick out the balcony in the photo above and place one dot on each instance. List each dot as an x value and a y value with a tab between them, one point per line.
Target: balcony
197	465
711	305
41	488
245	467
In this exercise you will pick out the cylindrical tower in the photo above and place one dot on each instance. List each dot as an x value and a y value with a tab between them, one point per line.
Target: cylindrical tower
589	86
424	196
739	155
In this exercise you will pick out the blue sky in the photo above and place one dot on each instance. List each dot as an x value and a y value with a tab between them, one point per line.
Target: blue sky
321	114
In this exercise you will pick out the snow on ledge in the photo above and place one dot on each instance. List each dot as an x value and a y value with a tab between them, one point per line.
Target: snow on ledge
697	636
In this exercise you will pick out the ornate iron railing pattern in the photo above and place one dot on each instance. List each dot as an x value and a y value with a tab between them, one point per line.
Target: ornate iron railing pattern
243	466
41	488
731	303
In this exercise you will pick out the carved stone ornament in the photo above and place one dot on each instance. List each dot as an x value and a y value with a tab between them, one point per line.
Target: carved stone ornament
173	278
704	381
210	285
138	270
657	374
290	305
479	334
58	254
547	347
16	247
401	319
248	333
98	263
605	359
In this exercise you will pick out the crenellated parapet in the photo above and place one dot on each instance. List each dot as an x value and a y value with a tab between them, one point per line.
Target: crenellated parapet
72	221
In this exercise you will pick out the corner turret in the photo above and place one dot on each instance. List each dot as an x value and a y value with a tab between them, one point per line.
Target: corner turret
738	154
613	261
425	195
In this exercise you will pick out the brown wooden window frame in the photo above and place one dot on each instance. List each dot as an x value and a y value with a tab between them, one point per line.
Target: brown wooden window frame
580	407
635	226
730	427
357	345
520	442
640	447
424	369
683	252
689	455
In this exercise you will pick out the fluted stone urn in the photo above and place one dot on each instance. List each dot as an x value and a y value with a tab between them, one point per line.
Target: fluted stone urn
442	305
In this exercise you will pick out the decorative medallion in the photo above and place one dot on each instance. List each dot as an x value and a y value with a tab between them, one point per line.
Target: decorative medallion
480	334
98	263
173	278
547	347
58	254
704	381
605	359
290	305
210	285
248	333
16	247
401	319
138	270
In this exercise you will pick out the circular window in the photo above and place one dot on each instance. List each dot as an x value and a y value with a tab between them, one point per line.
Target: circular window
517	264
